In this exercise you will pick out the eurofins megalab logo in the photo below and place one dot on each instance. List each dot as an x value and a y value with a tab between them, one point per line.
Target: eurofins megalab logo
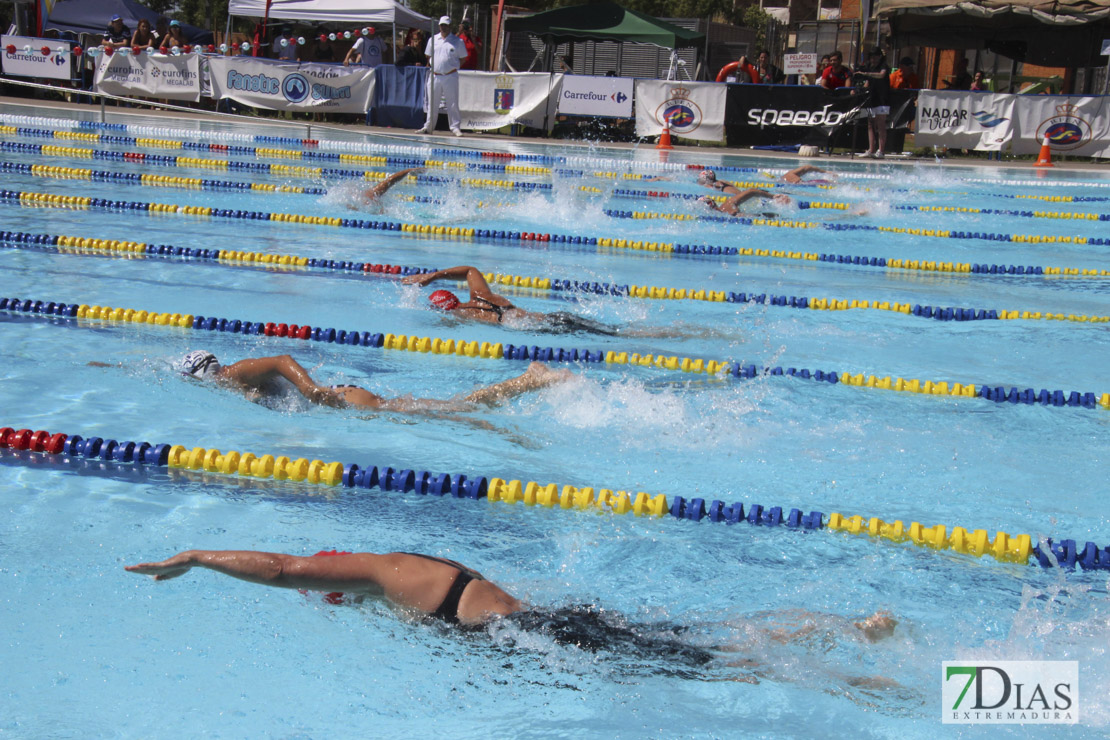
678	113
1065	130
504	96
295	88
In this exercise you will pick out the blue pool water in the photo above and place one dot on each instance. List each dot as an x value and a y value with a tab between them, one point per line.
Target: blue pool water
89	650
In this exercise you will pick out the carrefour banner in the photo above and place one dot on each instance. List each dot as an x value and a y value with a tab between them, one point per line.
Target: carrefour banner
692	110
23	57
1079	126
281	86
149	75
490	100
583	95
965	120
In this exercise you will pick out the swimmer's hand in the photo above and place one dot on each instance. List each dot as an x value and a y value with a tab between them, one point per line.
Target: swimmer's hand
420	280
173	567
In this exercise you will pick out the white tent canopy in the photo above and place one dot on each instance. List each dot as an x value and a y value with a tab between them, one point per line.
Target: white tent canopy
328	11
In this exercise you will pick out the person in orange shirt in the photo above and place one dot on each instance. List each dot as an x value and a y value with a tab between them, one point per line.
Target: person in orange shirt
904	78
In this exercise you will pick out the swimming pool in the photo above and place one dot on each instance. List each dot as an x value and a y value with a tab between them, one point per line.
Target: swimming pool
224	658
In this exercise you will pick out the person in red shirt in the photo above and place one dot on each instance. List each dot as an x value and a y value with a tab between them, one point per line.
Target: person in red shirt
473	46
836	74
904	78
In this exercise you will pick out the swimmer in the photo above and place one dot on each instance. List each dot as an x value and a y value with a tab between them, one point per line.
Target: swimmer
448	591
732	205
794	176
491	308
371	197
256	378
708	178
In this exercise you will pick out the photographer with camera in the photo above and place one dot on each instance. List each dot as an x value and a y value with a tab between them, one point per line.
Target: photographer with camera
874	77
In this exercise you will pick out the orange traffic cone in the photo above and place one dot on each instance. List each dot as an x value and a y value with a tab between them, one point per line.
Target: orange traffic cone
665	139
1044	159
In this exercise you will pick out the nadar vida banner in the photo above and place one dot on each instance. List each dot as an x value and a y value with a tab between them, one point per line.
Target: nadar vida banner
276	86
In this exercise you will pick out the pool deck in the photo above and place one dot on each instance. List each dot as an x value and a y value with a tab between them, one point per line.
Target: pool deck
471	139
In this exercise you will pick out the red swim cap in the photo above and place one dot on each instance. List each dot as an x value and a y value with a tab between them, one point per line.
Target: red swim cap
335	597
444	299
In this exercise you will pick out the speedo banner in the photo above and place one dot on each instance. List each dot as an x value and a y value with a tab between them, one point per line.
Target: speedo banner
1073	125
692	110
583	95
490	100
149	75
965	120
774	115
332	88
23	57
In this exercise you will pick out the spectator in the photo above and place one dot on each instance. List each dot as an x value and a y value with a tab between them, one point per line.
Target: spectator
740	71
117	34
286	51
161	28
368	51
977	83
821	66
143	37
322	50
875	76
768	73
473	45
174	37
962	79
905	78
413	53
447	52
836	74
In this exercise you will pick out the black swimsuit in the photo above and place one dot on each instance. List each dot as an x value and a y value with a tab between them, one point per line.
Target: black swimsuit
448	610
492	307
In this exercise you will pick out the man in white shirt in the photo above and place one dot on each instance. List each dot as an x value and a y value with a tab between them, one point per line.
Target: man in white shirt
288	51
367	51
447	52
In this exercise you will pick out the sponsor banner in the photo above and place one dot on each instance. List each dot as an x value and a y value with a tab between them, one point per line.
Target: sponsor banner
596	96
490	100
1079	126
799	64
285	86
965	120
149	75
1009	692
33	63
692	110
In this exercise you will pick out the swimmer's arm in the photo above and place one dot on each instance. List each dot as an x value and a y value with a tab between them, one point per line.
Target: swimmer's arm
105	364
358	572
472	275
257	370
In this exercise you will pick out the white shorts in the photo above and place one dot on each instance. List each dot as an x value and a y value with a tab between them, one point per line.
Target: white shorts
879	110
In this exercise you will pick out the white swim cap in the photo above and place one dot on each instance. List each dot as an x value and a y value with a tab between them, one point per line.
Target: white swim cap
200	364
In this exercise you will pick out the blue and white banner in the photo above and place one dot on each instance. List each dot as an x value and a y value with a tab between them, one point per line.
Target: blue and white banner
149	75
692	110
23	57
330	88
490	100
1073	125
965	120
596	96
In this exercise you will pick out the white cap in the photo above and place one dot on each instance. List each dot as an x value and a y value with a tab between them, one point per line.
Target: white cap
445	20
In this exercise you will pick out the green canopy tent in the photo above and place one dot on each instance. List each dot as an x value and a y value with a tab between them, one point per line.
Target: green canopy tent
603	21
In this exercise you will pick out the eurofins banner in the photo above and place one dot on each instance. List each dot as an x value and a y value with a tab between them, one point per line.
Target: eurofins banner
692	110
149	75
27	60
1073	125
966	120
609	97
490	100
281	86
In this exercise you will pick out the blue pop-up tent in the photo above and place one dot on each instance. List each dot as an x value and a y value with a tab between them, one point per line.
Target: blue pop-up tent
92	16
